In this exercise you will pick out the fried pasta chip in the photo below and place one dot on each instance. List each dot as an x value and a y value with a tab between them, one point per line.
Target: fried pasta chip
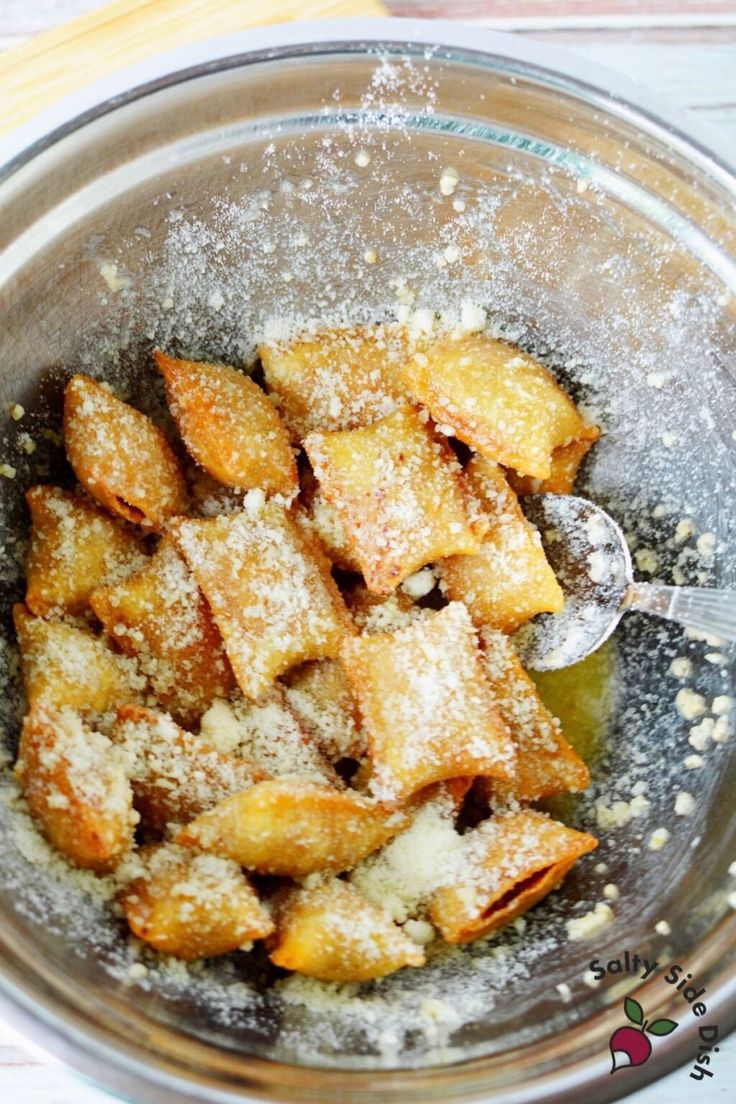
160	616
269	589
340	380
511	862
500	401
175	776
563	468
120	457
63	665
399	495
426	705
192	906
294	827
323	521
268	733
74	548
333	933
509	580
546	764
229	425
320	696
74	781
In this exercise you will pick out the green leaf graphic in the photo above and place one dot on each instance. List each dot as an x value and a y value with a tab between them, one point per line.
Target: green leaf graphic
634	1011
662	1027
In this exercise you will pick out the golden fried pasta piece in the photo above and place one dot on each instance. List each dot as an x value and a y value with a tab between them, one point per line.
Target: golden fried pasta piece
509	580
323	522
74	781
160	616
320	696
120	457
175	776
563	468
294	827
190	905
339	380
229	425
546	763
74	548
399	495
63	665
426	705
268	733
333	933
269	589
511	861
500	401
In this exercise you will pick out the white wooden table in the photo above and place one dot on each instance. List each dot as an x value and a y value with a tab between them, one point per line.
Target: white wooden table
686	51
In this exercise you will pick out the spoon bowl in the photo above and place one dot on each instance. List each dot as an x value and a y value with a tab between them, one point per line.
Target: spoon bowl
589	555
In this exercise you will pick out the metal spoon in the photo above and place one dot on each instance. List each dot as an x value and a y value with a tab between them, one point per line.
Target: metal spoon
590	557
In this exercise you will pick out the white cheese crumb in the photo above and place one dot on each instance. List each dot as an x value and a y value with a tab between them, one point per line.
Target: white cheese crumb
591	924
658	839
646	560
684	803
668	438
7	471
716	657
582	186
618	814
701	734
722	730
706	545
601	868
137	971
473	317
362	159
458	205
255	500
452	254
370	256
16	411
689	704
732	870
611	892
684	530
598	566
731	900
449	181
662	927
423	321
419	584
419	931
27	444
565	992
656	380
109	273
681	667
219	727
694	762
721	705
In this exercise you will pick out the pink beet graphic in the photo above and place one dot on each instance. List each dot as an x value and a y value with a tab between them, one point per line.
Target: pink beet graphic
630	1045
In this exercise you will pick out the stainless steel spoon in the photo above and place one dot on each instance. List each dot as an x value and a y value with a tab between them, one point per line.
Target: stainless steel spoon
590	557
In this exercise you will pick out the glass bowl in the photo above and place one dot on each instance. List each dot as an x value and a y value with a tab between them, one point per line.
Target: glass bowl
232	191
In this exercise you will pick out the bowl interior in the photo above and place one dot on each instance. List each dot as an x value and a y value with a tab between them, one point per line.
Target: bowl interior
210	212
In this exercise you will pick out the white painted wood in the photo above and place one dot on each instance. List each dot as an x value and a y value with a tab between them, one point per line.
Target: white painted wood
691	69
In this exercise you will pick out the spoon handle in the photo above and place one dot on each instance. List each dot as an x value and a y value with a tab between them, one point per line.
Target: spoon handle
712	611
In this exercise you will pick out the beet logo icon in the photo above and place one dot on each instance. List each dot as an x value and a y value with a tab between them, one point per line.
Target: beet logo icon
630	1046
